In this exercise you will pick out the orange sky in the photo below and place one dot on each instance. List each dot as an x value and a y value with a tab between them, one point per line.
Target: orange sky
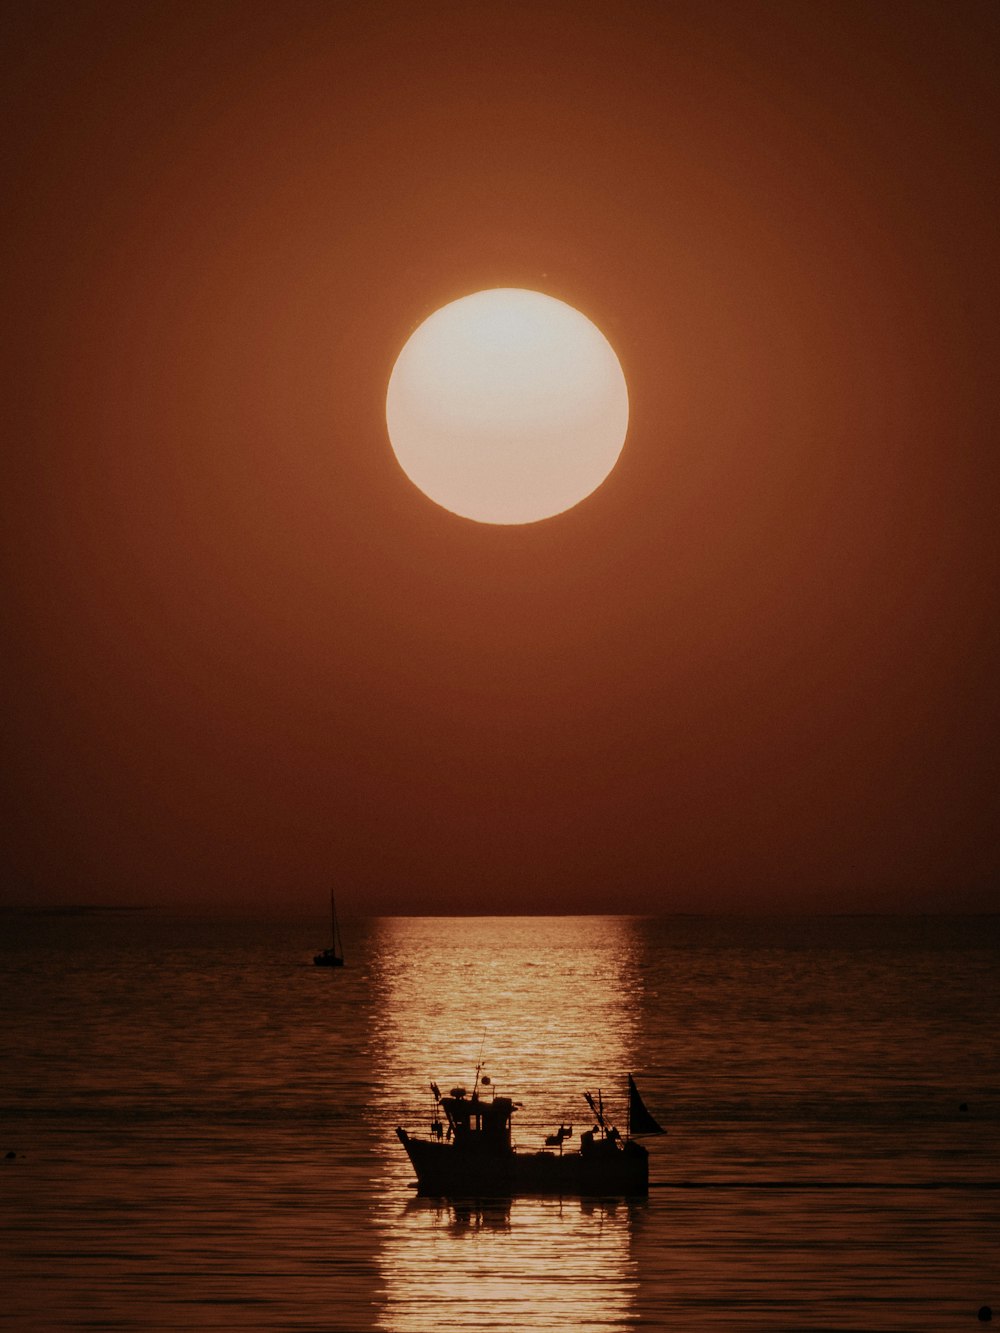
243	655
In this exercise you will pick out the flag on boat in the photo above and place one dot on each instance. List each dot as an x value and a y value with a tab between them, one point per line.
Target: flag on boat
640	1121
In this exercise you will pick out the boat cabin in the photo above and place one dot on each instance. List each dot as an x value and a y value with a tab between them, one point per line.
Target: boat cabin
477	1123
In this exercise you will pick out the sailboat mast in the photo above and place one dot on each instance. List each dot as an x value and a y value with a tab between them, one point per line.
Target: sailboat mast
338	946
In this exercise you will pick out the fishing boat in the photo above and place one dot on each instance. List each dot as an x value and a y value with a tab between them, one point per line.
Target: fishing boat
470	1153
334	956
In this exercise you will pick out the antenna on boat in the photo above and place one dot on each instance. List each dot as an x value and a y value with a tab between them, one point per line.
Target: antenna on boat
597	1106
479	1062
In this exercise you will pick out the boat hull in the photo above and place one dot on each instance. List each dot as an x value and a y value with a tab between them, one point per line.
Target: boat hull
605	1169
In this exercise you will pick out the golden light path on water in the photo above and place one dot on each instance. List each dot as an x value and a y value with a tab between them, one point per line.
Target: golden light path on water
551	1021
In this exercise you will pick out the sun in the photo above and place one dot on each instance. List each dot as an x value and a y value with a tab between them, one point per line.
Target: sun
507	406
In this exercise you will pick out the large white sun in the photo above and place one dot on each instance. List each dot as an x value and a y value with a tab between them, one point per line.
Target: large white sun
507	406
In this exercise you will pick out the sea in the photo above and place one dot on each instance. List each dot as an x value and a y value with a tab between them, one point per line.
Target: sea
197	1126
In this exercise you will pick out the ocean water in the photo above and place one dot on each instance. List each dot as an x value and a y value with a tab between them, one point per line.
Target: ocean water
204	1124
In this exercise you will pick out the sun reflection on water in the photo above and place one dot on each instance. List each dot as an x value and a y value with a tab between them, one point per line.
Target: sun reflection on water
549	1006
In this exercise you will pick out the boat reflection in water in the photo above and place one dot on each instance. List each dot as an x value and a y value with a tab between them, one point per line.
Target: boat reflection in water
557	1002
461	1216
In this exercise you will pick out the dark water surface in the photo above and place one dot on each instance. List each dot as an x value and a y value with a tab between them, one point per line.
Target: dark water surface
204	1122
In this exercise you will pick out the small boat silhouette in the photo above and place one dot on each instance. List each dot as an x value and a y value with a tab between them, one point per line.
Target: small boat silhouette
334	956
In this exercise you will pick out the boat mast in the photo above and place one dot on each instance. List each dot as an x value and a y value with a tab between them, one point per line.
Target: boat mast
479	1062
338	945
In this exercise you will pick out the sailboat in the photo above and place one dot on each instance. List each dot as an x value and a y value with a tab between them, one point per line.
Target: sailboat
334	956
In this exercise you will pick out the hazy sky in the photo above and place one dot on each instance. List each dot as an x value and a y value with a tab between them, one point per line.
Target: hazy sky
243	656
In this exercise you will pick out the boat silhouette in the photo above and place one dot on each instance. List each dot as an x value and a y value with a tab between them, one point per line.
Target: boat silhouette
334	956
469	1153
